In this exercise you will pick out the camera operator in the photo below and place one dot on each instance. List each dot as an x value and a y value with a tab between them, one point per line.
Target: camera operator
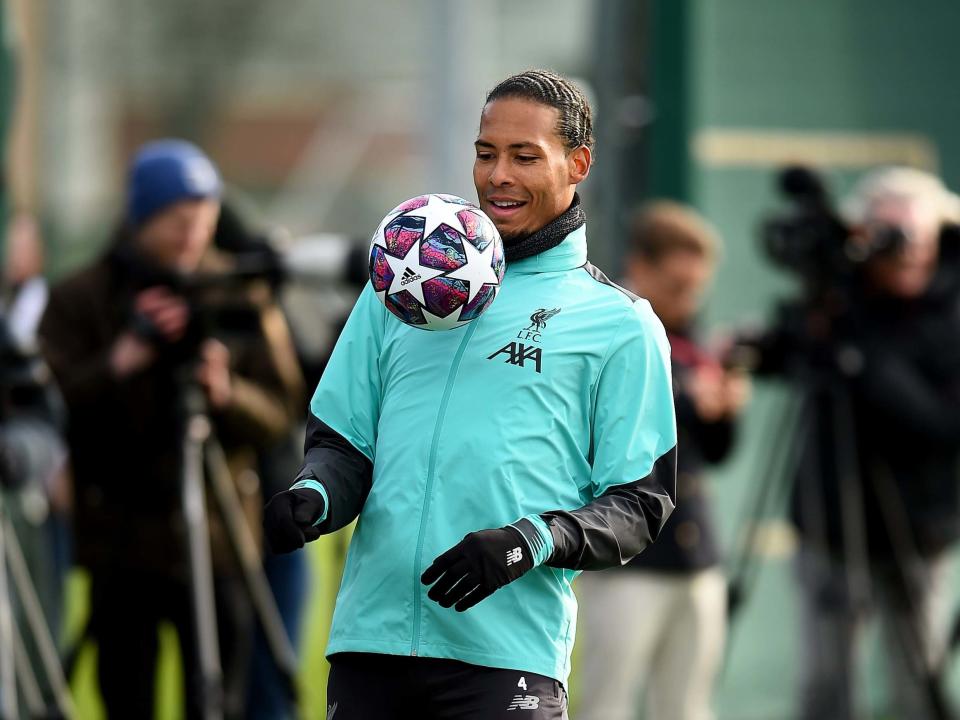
876	497
123	338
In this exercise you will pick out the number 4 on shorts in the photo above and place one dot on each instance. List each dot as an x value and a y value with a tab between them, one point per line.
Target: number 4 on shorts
522	683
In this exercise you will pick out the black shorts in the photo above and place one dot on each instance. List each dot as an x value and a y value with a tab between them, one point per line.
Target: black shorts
368	686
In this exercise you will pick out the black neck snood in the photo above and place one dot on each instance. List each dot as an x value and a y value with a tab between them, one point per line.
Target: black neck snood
549	236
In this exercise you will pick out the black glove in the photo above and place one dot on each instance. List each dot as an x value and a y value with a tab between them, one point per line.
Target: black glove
290	518
477	566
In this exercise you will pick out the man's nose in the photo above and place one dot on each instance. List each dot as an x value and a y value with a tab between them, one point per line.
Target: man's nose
500	174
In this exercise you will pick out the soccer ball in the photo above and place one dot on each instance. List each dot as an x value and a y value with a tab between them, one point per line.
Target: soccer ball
436	262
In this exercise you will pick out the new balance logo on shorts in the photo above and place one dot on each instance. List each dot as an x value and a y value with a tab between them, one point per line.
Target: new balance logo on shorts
514	556
524	702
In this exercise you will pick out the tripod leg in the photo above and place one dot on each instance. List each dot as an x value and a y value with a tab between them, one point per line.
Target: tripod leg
928	678
251	564
38	625
774	472
922	695
927	669
8	675
32	697
830	628
831	612
854	528
201	567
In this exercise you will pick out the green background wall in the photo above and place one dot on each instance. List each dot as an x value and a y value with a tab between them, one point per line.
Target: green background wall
850	83
825	66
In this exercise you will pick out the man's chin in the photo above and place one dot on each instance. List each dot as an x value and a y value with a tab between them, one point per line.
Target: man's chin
511	235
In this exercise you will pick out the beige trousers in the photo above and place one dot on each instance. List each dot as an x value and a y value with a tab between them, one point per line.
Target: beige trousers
658	635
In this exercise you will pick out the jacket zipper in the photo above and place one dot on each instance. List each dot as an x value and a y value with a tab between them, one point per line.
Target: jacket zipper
431	468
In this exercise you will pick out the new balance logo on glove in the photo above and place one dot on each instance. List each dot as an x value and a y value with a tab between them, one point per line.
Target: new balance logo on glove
478	565
514	556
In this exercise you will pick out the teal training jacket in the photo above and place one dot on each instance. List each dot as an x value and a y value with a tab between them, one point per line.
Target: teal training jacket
553	400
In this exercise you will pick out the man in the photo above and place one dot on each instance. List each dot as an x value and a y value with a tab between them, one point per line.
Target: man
671	651
124	343
429	436
876	497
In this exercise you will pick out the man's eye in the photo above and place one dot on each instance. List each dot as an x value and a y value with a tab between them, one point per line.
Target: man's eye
484	156
526	158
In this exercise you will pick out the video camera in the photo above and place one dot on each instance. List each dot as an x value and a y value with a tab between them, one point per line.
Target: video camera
225	301
813	241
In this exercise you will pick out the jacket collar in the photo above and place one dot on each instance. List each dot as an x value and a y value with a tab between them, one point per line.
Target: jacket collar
569	254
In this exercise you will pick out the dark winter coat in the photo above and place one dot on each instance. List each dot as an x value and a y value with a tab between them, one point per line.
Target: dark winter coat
125	435
688	540
880	462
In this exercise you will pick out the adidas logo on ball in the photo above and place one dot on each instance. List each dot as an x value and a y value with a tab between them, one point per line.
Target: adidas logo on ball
408	277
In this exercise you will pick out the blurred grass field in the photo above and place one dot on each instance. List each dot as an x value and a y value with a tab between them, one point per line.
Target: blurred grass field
326	558
758	682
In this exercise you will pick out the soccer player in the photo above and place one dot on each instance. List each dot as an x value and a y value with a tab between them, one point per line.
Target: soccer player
488	464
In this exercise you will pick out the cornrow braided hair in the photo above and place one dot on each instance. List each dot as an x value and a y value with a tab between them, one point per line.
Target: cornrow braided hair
575	125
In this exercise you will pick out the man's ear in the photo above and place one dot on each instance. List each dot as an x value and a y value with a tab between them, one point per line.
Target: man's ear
578	164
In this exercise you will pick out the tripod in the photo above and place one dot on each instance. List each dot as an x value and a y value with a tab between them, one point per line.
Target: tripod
203	463
824	392
201	452
16	670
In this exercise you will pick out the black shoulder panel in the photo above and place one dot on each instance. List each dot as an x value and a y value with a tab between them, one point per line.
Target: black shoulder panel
598	275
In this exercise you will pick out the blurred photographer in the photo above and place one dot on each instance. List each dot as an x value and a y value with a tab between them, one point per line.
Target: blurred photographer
875	501
124	337
655	628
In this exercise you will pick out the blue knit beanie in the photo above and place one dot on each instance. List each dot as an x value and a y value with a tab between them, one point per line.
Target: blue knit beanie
164	172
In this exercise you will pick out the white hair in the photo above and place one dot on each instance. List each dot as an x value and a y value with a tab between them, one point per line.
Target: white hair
937	203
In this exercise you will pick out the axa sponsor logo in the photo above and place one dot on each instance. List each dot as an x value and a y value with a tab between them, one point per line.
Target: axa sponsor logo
519	353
